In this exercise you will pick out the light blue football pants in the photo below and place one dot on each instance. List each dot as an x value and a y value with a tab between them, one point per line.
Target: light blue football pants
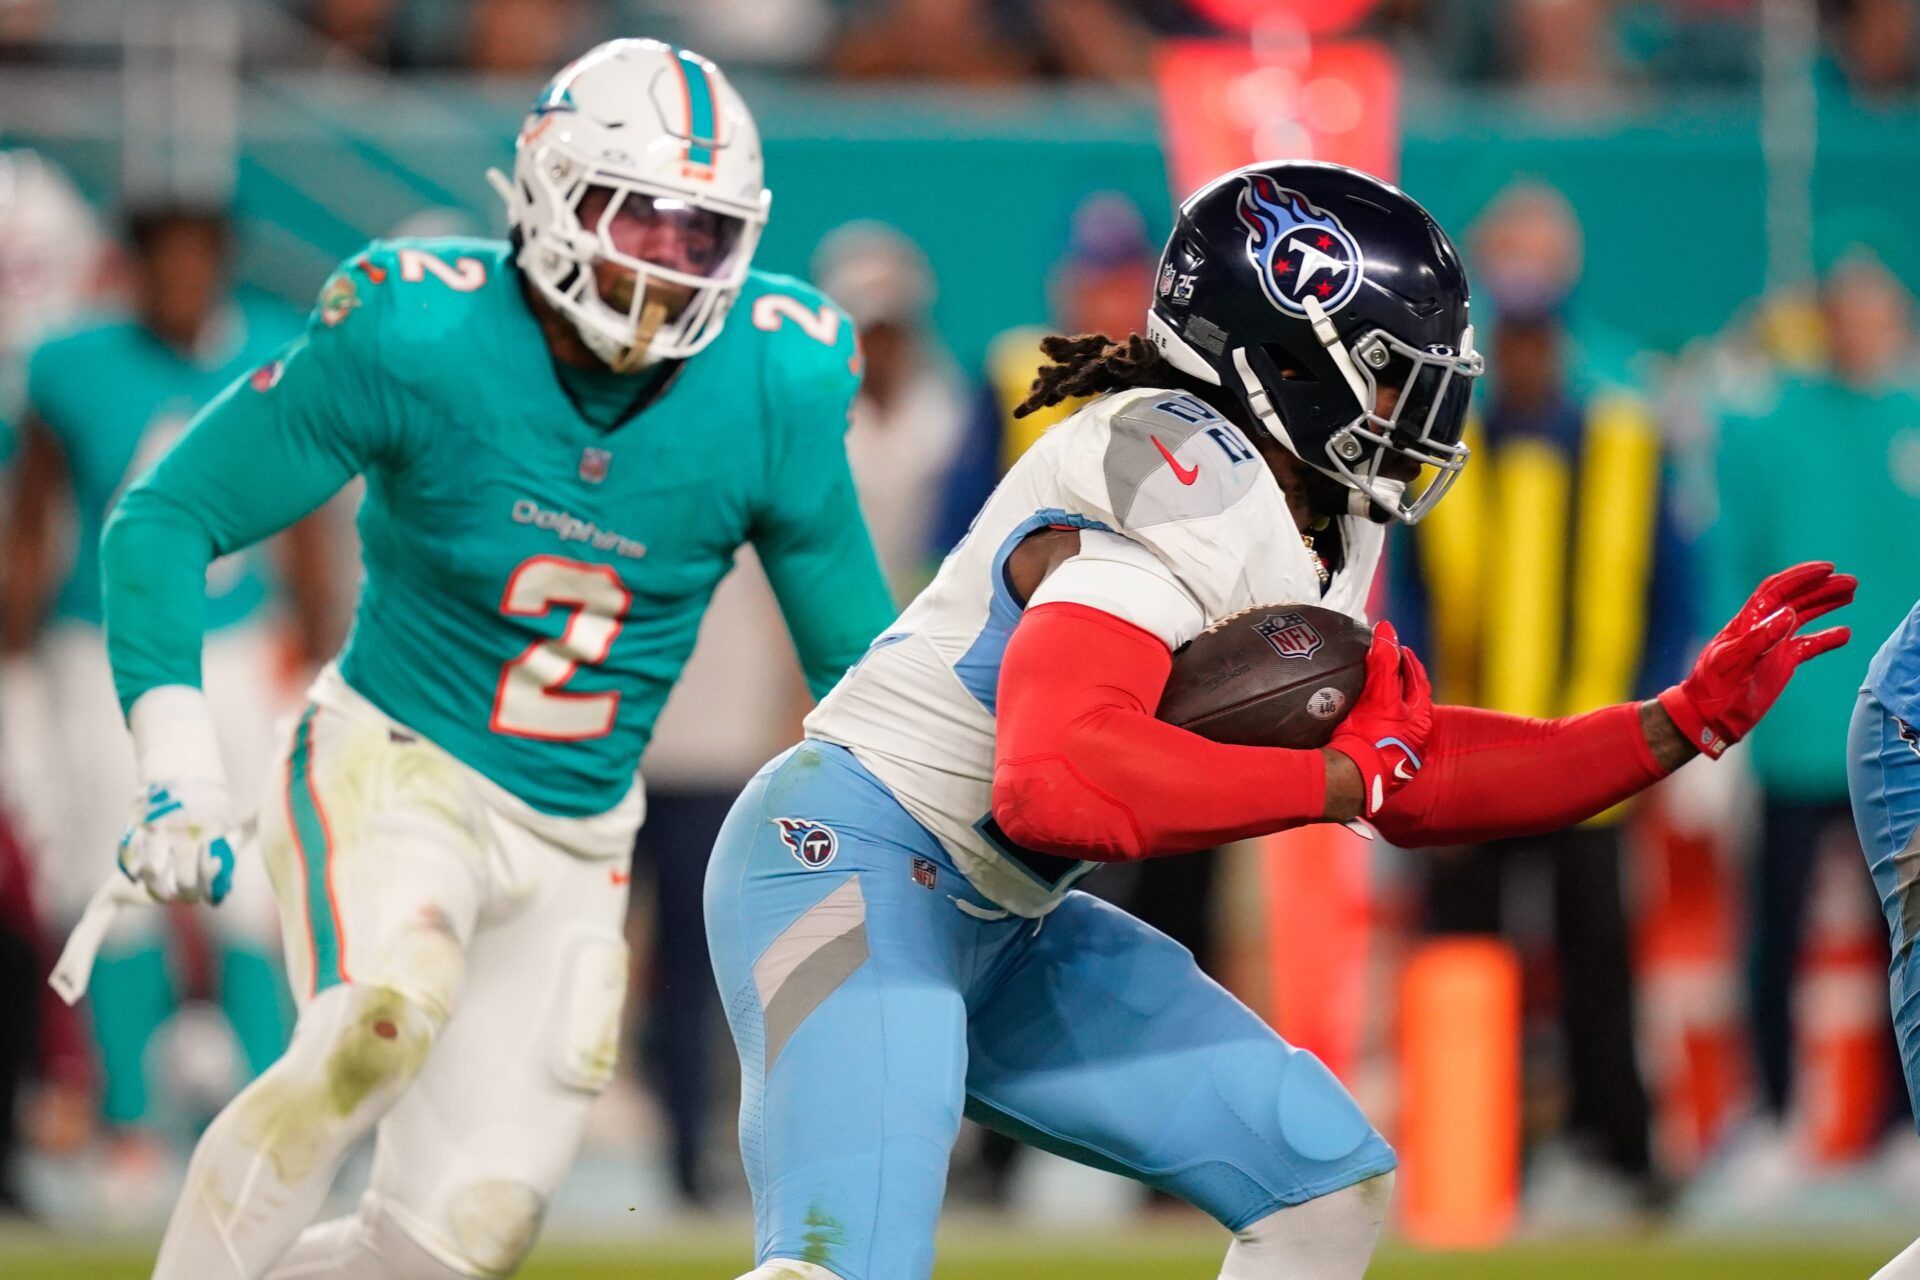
875	997
1883	779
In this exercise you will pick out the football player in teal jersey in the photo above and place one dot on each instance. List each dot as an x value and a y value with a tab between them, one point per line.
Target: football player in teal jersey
104	396
565	440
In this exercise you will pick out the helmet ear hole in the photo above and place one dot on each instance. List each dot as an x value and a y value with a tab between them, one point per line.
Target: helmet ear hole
1290	366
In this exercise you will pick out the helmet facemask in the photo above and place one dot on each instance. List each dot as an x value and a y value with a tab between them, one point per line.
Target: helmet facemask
1406	404
642	271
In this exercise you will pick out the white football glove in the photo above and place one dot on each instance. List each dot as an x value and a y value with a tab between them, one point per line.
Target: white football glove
177	845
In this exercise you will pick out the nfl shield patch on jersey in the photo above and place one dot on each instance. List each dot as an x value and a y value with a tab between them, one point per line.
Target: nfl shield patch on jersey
594	464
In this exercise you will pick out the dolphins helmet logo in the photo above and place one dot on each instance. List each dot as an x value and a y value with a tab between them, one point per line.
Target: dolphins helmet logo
1301	252
811	842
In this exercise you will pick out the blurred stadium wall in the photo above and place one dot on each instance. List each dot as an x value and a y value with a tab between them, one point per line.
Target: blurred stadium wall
1672	195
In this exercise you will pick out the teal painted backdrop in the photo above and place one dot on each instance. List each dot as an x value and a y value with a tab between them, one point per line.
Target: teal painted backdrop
1672	197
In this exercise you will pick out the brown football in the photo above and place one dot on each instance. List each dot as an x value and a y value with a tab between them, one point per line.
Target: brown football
1279	675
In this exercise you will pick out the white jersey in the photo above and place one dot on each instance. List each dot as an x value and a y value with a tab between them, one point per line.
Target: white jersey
1182	525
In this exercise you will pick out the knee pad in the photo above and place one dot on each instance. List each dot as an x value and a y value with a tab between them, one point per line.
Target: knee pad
494	1223
378	1046
585	1018
789	1269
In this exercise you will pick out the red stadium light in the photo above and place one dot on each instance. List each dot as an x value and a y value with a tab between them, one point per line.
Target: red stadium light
1321	17
1226	104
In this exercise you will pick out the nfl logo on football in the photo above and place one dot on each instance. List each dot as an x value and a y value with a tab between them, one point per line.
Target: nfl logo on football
1290	634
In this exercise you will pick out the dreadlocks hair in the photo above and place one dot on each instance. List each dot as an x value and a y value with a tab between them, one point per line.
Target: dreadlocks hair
1091	363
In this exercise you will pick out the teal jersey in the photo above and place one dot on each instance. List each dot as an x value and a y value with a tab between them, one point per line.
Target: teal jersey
534	582
114	397
1825	472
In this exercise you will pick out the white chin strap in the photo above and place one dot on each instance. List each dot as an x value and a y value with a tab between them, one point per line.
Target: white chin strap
1181	355
1358	503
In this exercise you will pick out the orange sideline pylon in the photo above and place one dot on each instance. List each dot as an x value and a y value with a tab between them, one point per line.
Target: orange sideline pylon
1688	954
1840	1010
1459	1142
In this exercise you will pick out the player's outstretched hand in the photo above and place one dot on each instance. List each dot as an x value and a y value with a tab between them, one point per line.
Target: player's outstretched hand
1743	669
176	845
1385	735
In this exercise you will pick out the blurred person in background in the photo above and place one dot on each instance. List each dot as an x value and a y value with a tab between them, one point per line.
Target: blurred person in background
1094	288
364	29
105	397
795	34
1550	583
1528	244
40	1036
522	37
1562	54
1110	40
952	41
910	417
1874	49
54	262
1860	416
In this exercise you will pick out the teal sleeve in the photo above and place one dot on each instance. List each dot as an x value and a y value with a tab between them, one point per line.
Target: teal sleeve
810	534
270	449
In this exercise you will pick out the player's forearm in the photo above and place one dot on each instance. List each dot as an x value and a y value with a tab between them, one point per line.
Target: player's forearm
831	592
1083	769
1489	776
1669	746
154	559
263	454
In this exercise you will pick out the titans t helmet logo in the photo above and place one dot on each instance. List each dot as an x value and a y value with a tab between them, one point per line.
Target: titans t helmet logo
1300	251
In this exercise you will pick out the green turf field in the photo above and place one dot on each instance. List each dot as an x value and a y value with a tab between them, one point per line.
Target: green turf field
1185	1258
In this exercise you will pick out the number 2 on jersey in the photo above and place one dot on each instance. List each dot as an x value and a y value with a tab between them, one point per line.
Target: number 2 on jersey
463	275
531	701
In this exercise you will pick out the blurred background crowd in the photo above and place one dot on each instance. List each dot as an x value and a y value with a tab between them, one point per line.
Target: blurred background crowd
1693	228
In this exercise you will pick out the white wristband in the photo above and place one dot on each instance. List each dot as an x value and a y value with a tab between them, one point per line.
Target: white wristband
173	736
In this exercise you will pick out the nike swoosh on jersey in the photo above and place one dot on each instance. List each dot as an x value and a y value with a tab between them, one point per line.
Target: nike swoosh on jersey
1401	771
1185	475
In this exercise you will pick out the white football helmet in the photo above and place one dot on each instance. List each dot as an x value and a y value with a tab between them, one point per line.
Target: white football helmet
638	198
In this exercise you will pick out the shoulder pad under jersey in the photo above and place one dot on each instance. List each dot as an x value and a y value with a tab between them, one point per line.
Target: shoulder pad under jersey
1170	457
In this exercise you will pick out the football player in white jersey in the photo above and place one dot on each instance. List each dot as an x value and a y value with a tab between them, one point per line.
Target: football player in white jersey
889	904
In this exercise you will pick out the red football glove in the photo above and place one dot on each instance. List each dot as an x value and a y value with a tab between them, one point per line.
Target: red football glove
1385	735
1744	668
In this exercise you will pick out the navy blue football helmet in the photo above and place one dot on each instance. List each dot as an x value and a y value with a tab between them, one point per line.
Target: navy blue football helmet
1335	309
